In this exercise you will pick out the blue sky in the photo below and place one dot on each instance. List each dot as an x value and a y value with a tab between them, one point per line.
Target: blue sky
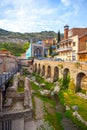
40	15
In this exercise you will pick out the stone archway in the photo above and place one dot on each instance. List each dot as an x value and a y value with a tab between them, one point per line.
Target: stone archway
81	80
84	83
43	70
65	73
35	69
48	72
66	77
56	74
39	69
37	52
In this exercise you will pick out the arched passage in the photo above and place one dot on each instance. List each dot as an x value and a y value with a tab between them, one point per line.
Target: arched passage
66	77
35	68
48	72
37	52
65	72
80	80
39	69
56	74
43	70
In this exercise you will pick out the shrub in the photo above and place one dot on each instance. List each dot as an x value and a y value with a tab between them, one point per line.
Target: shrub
72	86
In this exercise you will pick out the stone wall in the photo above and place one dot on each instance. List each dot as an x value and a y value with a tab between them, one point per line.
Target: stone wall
74	68
28	113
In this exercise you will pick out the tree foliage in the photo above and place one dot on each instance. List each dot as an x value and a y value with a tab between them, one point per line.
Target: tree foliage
26	46
15	49
58	38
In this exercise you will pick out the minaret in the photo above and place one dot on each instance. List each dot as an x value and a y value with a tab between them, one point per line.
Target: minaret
66	29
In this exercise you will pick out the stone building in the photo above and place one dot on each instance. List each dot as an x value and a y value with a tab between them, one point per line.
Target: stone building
70	46
8	61
35	50
82	53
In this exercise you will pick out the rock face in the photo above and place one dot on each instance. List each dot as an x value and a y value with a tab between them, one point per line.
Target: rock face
45	92
56	89
27	94
75	108
82	95
79	117
42	85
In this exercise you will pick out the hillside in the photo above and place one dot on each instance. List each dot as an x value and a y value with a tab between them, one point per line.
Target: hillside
16	37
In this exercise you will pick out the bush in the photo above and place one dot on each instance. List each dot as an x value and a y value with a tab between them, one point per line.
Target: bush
72	86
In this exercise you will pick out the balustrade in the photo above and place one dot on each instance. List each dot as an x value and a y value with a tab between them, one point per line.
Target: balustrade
6	76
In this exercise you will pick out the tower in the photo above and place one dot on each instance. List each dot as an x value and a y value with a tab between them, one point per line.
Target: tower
66	29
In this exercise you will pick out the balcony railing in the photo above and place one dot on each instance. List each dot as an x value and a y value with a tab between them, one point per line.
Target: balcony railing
64	49
6	76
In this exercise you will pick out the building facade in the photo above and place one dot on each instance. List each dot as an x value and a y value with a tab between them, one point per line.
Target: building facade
82	53
8	61
35	50
70	46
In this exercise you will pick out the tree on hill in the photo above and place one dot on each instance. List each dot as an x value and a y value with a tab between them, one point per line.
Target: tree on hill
15	49
26	46
58	38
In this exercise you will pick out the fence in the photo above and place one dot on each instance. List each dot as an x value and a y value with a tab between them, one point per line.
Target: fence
6	76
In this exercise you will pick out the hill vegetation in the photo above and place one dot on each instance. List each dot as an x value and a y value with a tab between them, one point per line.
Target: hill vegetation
17	42
15	49
16	37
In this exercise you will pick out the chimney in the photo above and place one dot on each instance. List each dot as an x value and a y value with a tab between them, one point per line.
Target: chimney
66	29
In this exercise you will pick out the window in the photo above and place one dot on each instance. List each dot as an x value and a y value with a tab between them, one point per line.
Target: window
73	43
86	44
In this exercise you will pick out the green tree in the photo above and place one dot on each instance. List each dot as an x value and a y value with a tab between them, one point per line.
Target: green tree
26	46
58	38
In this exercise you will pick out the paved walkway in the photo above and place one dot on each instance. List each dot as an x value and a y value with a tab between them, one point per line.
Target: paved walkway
29	125
39	108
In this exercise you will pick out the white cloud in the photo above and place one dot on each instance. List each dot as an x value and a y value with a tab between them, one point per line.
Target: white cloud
66	2
37	15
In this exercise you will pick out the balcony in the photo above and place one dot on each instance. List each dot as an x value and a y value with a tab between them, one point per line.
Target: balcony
64	49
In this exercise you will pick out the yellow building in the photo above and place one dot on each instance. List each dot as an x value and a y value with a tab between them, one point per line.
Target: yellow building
69	47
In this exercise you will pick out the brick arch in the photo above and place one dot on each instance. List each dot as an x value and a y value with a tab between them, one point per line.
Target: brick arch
66	71
84	83
43	70
66	77
35	67
56	73
48	72
79	80
39	68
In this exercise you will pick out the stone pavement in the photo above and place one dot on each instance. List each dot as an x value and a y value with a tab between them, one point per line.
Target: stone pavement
18	124
30	125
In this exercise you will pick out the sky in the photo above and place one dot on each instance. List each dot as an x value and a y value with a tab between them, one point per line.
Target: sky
42	15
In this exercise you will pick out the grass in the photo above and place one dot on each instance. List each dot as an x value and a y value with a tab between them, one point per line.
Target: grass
78	123
34	107
20	89
53	118
71	99
37	93
41	80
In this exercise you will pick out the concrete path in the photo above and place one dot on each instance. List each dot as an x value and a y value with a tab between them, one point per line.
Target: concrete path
18	124
39	108
29	125
68	125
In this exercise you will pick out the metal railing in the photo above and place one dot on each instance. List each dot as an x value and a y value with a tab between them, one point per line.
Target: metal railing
6	76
